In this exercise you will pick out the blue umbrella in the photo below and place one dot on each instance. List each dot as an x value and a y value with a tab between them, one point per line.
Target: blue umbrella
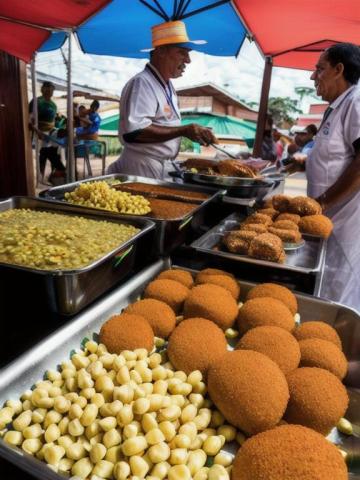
123	27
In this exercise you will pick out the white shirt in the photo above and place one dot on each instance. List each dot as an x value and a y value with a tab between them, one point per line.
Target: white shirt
147	99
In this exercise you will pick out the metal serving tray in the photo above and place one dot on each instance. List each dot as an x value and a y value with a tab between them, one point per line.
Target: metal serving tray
308	259
169	233
68	291
31	366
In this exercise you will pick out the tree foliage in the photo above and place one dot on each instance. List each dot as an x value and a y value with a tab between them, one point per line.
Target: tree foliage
283	110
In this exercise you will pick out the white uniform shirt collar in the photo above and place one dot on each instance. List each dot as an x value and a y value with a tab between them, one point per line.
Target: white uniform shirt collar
337	102
154	69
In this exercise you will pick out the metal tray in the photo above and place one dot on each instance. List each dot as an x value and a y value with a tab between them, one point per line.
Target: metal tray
308	259
31	366
169	233
68	291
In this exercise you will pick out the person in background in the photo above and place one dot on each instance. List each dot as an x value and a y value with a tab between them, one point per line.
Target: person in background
89	121
333	169
279	143
304	139
268	147
150	122
47	111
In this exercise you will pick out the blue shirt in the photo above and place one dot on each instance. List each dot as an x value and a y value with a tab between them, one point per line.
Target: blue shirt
95	120
306	149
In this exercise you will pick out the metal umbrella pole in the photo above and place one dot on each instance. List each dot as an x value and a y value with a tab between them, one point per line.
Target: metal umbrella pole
70	158
260	127
36	118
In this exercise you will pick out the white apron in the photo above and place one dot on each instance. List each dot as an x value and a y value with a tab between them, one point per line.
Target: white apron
332	153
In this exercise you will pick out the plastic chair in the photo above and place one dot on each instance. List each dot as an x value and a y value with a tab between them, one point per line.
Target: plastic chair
83	150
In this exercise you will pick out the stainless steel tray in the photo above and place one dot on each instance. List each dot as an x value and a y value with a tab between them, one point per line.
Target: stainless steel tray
30	367
169	233
68	291
308	259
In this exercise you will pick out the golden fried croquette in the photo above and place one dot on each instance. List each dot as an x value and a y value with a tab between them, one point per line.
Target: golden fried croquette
293	217
316	225
169	291
285	225
261	311
271	212
182	276
211	271
212	302
258	218
274	290
254	227
267	247
304	206
323	354
225	281
317	329
238	241
289	452
318	399
126	332
249	389
160	316
274	342
188	347
287	236
281	202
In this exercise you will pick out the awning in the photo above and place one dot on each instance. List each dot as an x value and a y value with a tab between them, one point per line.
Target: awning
293	33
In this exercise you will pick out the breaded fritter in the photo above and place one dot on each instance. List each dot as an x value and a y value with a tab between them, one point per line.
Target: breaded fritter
304	206
171	292
225	281
316	352
271	212
211	271
316	225
293	217
281	202
182	276
254	227
238	241
160	316
267	247
285	225
318	399
287	236
274	290
258	218
249	389
317	329
289	452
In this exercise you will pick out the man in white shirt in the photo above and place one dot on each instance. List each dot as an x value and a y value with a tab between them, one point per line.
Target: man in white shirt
150	122
333	169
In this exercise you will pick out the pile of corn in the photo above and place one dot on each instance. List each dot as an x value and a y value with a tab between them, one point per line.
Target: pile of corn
52	241
101	195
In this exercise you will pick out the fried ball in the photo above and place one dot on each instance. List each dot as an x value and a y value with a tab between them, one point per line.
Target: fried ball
261	311
188	347
211	271
285	225
249	389
289	452
254	227
181	276
289	216
238	241
160	316
287	236
318	399
225	281
212	302
323	354
274	290
274	342
304	206
171	292
258	218
126	332
316	225
281	202
270	212
267	247
267	203
317	329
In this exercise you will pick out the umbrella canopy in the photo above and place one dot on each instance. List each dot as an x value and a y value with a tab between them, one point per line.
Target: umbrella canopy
293	33
123	28
24	26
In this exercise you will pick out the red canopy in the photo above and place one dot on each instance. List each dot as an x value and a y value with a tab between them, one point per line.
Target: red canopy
294	32
23	24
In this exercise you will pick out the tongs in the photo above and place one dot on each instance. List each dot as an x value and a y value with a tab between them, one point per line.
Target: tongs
223	151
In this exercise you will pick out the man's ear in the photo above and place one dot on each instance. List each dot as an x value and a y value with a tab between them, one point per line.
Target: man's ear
339	68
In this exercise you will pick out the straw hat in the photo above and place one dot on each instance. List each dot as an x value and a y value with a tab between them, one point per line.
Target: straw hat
172	33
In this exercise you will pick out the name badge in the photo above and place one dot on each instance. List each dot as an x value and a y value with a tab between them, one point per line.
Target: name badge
326	128
167	110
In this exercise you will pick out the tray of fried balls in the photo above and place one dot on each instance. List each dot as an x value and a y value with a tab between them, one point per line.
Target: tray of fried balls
161	393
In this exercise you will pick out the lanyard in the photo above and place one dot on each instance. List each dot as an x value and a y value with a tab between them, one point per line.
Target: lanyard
167	88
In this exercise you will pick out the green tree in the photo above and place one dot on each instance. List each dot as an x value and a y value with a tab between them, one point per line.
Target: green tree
303	92
283	110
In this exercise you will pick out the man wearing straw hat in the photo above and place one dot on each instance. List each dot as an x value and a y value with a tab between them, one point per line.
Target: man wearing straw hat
150	122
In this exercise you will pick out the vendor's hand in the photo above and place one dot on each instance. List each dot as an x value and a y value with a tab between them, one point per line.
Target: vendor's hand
199	134
297	164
